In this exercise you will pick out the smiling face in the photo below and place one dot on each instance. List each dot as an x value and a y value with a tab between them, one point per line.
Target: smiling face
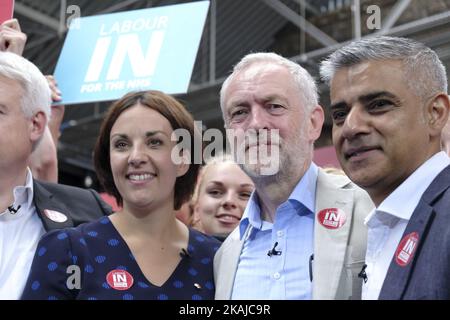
380	128
223	195
265	97
140	153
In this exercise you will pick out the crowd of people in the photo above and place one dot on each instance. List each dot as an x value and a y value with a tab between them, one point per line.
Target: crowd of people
230	229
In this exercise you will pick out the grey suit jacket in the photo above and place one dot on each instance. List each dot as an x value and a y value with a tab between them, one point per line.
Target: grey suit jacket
338	253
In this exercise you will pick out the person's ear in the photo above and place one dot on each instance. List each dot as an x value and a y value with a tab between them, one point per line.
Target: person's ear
437	112
316	120
183	167
37	125
196	221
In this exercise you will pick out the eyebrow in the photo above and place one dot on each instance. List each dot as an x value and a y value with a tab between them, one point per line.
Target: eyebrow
269	97
365	98
274	96
241	185
147	134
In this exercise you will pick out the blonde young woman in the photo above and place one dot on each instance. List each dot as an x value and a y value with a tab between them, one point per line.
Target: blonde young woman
221	196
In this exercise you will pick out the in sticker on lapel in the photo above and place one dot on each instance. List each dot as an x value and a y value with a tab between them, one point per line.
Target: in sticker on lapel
332	218
55	216
406	248
119	279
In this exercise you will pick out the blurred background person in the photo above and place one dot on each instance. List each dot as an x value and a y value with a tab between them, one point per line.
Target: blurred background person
185	214
154	255
222	192
43	160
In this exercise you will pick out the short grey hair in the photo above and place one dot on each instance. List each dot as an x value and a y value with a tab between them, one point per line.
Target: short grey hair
36	90
307	87
424	73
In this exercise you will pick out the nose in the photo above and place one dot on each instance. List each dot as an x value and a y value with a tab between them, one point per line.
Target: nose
258	119
137	156
355	123
229	201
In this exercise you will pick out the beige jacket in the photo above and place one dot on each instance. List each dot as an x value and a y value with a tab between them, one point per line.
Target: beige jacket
338	253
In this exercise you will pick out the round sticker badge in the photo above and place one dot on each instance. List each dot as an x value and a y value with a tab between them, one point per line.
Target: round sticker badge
55	216
332	218
406	249
119	279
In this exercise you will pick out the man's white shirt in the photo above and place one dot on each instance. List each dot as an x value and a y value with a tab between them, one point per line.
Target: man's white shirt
387	223
19	235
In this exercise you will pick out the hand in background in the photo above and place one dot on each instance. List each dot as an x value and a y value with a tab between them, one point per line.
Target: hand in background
12	39
57	110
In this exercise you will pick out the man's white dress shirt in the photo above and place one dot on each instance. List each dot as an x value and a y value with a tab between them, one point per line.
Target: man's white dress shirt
19	235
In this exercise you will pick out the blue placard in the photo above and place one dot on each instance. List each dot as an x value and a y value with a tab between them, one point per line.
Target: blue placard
106	56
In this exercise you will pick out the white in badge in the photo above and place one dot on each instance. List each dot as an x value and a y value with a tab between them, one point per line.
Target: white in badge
55	216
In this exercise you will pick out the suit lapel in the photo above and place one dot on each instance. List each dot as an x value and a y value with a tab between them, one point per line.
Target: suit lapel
397	277
229	267
44	201
330	245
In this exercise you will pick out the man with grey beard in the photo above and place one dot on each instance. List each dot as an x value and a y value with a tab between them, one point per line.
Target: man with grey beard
301	235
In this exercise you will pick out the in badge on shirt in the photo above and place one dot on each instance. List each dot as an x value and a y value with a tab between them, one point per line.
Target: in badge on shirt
119	279
332	218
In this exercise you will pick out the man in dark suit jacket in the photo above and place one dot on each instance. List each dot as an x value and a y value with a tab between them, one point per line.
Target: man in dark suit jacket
389	105
78	205
428	274
29	208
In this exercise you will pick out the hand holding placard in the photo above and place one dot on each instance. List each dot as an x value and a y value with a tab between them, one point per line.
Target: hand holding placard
6	10
12	39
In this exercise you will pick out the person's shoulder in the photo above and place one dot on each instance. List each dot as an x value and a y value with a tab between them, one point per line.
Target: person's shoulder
62	188
230	243
235	235
440	202
84	200
333	179
79	232
341	181
338	180
58	241
202	240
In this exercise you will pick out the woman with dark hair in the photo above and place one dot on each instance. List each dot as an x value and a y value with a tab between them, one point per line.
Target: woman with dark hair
142	251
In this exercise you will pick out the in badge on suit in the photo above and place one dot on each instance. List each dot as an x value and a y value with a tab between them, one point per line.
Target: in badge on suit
338	253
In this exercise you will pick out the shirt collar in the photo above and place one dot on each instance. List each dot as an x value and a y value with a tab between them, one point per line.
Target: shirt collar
23	197
403	200
305	191
304	194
